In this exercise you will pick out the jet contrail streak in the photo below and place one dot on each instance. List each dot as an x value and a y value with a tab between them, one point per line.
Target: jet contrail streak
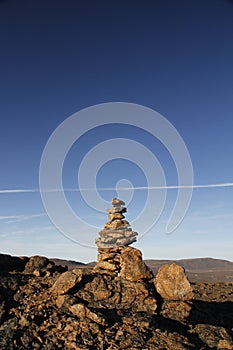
226	184
19	191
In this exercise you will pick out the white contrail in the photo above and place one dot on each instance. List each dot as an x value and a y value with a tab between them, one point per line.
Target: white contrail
19	191
225	184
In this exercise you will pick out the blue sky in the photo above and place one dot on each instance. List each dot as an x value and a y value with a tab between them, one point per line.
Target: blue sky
58	57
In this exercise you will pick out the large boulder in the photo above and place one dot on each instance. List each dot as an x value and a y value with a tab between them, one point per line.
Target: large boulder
132	267
172	283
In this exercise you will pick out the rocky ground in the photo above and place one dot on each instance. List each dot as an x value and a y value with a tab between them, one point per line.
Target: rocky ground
118	304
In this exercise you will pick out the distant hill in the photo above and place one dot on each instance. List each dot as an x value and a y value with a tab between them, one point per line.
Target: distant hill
196	264
199	269
71	264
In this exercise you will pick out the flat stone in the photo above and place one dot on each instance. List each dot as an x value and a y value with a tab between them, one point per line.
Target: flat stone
106	265
130	234
114	250
104	245
116	223
111	233
125	241
115	235
108	239
117	210
106	256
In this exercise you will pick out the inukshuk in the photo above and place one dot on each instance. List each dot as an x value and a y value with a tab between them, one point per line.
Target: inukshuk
117	232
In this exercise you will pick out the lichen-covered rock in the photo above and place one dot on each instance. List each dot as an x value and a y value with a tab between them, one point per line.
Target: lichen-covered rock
172	283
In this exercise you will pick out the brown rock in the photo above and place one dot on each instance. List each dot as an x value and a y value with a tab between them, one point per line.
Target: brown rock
117	210
136	295
115	216
214	337
172	284
37	263
110	251
116	223
132	266
102	294
117	202
106	256
67	281
106	265
65	301
176	310
169	341
81	311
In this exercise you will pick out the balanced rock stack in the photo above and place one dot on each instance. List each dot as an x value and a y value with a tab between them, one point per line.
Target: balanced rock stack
117	231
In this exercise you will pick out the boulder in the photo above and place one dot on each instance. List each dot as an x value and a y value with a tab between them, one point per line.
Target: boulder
172	283
132	266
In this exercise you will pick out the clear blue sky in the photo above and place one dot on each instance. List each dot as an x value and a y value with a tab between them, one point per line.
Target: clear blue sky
58	57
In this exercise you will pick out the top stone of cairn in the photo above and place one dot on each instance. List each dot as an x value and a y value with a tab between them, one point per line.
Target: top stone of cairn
117	202
117	231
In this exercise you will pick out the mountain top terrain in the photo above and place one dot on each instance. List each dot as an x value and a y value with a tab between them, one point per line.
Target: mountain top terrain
117	304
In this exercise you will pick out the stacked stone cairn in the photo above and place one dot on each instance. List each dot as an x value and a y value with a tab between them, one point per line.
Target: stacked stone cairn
117	232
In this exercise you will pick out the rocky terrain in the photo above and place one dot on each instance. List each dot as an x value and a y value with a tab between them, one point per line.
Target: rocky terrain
118	304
